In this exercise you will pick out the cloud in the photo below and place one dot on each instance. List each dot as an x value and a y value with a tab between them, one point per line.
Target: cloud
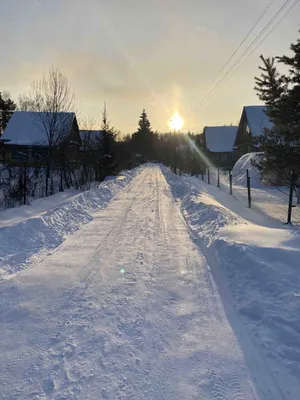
95	75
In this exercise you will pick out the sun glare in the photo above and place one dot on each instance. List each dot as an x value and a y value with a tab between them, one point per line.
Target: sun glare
176	122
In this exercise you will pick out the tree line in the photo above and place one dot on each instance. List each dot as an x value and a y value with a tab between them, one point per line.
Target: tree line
280	91
104	152
107	153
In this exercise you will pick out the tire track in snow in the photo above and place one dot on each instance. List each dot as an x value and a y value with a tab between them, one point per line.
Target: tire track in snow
77	292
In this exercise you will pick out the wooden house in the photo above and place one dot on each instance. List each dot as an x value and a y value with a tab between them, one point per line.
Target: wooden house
252	124
26	137
218	144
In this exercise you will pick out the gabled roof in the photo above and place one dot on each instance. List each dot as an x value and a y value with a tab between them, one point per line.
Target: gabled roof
257	119
220	139
28	128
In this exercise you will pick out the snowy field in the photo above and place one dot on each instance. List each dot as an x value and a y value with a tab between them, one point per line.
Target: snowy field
148	288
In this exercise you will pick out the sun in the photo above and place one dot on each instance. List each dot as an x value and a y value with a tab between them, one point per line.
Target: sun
176	122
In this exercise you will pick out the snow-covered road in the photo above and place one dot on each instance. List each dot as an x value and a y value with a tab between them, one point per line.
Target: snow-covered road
126	308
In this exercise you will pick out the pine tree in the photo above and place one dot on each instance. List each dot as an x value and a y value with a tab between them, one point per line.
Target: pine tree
281	94
144	124
270	86
107	148
292	100
7	107
143	138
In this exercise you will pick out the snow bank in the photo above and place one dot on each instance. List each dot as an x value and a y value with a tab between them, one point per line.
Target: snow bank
12	216
21	237
239	172
259	263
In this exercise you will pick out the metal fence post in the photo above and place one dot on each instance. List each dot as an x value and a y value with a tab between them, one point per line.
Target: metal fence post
230	182
25	184
208	176
289	219
249	188
218	184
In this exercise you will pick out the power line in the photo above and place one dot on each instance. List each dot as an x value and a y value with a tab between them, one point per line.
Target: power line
276	25
245	55
266	9
225	78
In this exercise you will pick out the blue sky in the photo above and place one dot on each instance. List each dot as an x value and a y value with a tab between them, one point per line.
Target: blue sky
157	54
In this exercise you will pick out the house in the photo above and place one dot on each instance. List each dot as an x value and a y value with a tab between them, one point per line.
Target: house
26	137
218	143
252	124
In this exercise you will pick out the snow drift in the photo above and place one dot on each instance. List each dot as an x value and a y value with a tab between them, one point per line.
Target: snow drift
259	261
239	171
46	230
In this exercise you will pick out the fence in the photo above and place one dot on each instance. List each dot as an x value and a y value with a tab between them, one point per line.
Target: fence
280	203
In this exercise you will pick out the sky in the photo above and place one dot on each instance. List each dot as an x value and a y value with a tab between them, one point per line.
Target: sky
160	55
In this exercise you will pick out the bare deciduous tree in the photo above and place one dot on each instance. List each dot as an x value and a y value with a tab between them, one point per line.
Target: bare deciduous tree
90	153
53	101
25	103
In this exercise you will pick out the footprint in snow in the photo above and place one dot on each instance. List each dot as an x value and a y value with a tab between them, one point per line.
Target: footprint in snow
48	386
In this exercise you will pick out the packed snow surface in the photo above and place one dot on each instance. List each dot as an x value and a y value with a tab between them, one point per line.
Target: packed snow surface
125	308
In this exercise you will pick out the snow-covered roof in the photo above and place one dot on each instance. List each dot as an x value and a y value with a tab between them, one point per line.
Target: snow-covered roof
220	139
257	119
30	128
90	137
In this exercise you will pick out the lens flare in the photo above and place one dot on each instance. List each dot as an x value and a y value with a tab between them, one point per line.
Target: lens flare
176	122
202	157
